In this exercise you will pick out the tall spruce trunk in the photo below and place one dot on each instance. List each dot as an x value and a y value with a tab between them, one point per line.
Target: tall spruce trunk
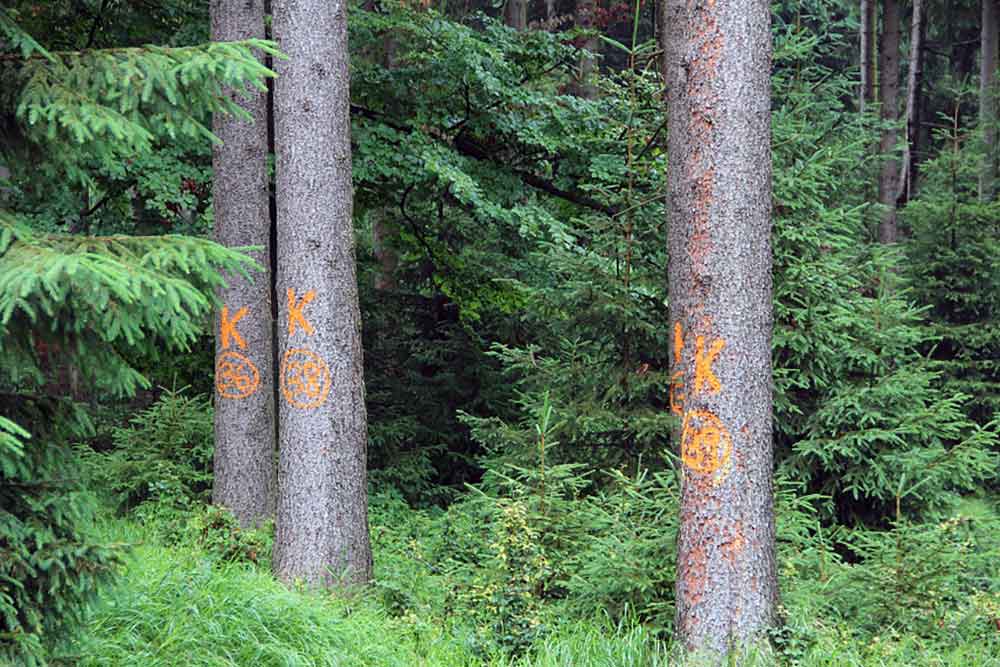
322	531
718	84
987	98
888	92
584	15
914	85
244	377
516	14
869	19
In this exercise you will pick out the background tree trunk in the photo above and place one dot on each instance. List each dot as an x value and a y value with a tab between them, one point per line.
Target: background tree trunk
914	85
584	18
322	531
888	92
987	98
721	317
244	407
869	19
516	14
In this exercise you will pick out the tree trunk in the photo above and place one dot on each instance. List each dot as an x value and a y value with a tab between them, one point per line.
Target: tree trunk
584	19
907	185
987	98
516	14
244	378
322	530
550	10
719	65
869	19
888	92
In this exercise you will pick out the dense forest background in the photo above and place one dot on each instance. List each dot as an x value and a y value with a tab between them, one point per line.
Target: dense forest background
509	172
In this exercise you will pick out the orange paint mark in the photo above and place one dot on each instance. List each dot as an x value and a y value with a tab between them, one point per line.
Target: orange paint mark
678	342
295	316
235	376
677	398
227	328
703	374
734	546
305	379
706	446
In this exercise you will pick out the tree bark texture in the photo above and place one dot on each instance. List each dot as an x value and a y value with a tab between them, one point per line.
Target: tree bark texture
914	85
869	19
244	377
516	14
988	98
585	13
888	92
322	531
719	63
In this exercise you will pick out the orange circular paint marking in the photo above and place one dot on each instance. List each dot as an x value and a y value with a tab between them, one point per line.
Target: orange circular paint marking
235	375
305	378
706	445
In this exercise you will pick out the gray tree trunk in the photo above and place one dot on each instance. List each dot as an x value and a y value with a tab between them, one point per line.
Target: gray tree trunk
516	14
719	64
584	18
322	530
869	19
914	86
888	92
987	98
244	378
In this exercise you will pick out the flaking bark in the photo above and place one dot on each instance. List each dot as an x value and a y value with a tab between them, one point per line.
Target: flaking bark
718	85
244	401
322	531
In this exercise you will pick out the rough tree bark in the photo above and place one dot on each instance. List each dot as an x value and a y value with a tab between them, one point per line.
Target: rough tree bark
869	19
888	92
987	98
244	378
914	85
584	14
322	530
516	14
718	84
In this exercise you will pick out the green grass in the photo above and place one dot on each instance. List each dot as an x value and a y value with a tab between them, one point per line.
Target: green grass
176	607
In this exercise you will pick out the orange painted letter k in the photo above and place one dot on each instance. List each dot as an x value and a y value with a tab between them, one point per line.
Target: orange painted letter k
703	374
295	317
227	328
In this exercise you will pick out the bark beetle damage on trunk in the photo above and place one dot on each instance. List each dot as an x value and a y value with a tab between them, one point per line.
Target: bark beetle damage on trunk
718	67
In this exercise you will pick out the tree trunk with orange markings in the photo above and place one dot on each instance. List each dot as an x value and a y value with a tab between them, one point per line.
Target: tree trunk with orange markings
322	530
718	69
244	406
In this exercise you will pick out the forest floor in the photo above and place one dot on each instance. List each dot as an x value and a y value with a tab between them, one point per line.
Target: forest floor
179	605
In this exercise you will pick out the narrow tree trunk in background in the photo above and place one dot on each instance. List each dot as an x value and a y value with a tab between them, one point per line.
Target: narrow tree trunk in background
550	9
584	18
888	92
987	98
244	378
869	19
516	14
719	66
914	85
322	531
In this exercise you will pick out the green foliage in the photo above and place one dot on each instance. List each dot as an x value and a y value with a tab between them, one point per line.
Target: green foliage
51	564
163	456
